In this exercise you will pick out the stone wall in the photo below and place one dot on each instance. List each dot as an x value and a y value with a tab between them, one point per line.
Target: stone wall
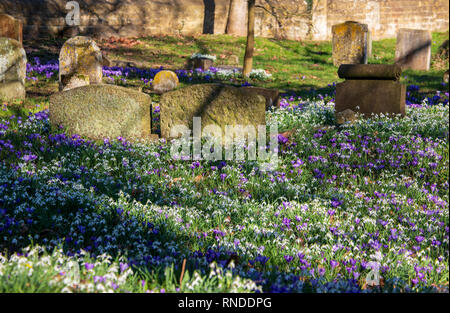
291	19
385	17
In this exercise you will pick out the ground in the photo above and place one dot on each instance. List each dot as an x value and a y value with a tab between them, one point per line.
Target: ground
127	217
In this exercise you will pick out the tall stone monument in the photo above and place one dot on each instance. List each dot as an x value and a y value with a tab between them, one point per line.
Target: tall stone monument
351	43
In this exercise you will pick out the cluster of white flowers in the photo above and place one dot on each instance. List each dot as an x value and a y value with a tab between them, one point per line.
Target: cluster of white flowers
203	56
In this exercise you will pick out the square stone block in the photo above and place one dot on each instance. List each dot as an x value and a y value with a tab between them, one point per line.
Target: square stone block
203	64
371	96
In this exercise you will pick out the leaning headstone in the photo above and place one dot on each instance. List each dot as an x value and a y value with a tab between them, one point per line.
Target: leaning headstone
215	104
351	43
11	27
413	50
13	64
103	111
370	89
80	63
165	81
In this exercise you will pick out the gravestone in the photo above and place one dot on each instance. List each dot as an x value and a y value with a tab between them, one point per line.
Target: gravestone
413	49
351	43
234	59
13	64
165	81
102	111
202	63
80	63
11	27
369	88
216	104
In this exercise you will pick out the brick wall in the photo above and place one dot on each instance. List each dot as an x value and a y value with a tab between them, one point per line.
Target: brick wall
289	19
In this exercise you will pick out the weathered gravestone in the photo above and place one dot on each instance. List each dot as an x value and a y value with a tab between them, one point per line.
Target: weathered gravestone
102	111
201	63
13	64
165	81
215	104
11	27
370	88
351	43
80	63
413	49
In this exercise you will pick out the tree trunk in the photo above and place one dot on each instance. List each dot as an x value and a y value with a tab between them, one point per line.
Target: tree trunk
237	18
248	59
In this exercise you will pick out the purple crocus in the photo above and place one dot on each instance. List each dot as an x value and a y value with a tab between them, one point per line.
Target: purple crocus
29	157
88	266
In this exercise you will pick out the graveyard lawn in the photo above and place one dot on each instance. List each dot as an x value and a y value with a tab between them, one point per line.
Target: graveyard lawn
82	216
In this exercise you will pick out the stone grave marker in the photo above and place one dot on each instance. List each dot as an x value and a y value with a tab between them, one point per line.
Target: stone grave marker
351	43
165	81
13	64
11	27
215	104
102	110
202	63
413	49
369	88
80	63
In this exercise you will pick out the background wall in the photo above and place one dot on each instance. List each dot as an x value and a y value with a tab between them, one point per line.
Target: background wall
291	19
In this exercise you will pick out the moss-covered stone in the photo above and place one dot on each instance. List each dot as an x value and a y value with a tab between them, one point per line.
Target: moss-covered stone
351	43
13	63
216	104
102	111
345	116
80	57
165	81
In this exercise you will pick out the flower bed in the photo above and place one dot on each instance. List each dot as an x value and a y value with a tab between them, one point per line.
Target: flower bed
339	197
